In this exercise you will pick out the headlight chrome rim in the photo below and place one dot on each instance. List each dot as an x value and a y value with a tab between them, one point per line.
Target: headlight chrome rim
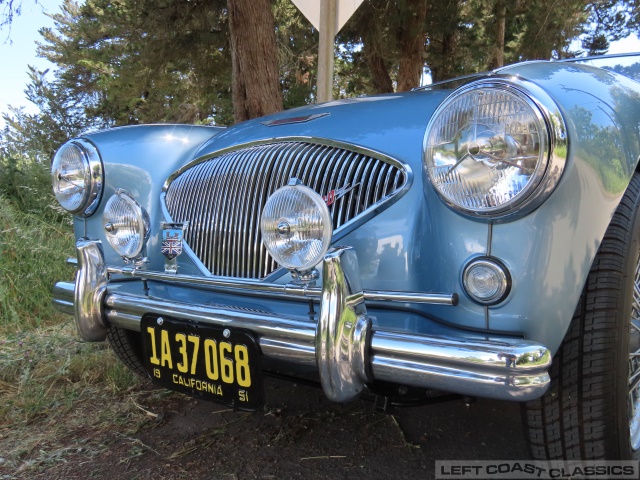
93	177
142	228
553	129
277	227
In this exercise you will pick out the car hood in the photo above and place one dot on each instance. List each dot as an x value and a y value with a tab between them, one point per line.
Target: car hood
390	124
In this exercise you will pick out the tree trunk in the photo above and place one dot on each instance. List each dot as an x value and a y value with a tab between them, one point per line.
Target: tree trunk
379	72
497	59
368	28
444	19
411	37
448	51
254	58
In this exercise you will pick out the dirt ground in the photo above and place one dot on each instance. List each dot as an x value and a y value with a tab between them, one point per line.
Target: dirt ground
299	434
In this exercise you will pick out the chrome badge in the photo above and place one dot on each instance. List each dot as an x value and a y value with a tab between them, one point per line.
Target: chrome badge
171	247
331	197
172	235
290	120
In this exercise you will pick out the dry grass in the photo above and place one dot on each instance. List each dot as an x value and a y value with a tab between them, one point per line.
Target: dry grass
59	396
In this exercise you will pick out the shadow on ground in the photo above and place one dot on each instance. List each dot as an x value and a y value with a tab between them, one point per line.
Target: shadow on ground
302	435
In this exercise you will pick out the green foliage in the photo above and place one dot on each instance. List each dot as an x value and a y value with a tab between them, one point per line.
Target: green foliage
609	20
33	249
144	61
27	184
297	54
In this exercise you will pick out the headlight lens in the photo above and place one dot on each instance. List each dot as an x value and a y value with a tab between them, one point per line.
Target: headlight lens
487	148
296	227
126	224
77	177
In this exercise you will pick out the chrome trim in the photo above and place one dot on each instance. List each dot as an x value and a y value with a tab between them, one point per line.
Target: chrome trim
288	291
90	288
507	369
63	293
556	144
285	157
144	224
344	329
350	352
96	172
498	266
93	177
289	120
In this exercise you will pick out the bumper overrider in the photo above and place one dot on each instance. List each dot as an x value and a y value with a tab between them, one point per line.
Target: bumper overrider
346	348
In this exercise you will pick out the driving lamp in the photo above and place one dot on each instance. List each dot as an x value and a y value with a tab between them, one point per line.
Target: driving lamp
126	225
77	177
296	227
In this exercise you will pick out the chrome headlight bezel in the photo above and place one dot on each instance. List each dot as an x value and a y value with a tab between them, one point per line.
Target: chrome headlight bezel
92	174
284	233
140	223
552	131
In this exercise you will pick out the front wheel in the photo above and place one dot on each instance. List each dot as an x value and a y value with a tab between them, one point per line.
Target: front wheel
127	346
592	408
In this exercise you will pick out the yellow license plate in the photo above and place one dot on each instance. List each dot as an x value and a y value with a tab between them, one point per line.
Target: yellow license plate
218	364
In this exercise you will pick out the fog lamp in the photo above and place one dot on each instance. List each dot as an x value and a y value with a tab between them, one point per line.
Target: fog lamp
126	225
296	227
486	280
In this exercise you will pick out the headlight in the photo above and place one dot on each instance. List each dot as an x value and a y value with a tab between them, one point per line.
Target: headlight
490	148
77	177
126	224
296	227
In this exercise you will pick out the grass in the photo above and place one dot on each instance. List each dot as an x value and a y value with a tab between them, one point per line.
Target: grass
62	399
59	396
33	251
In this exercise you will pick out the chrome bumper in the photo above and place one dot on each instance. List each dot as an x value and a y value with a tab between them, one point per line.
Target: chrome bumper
344	346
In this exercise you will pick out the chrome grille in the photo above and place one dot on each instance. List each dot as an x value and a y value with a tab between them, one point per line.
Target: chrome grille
222	198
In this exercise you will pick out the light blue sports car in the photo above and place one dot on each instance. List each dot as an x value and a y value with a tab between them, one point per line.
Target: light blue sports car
479	237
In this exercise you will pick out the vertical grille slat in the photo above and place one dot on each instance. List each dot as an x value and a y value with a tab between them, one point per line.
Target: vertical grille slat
222	197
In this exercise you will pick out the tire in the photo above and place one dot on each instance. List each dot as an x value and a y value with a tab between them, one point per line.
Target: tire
586	412
127	346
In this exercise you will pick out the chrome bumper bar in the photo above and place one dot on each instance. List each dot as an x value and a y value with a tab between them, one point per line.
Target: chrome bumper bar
344	346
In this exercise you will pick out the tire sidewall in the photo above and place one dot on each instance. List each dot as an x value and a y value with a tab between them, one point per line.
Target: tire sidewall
632	257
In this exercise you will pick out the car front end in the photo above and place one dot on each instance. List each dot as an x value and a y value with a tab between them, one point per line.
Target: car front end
421	240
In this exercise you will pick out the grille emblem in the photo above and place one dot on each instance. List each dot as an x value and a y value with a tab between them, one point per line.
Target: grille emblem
331	197
172	235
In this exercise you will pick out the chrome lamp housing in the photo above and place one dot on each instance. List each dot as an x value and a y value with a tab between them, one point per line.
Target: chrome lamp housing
126	225
77	177
296	228
495	148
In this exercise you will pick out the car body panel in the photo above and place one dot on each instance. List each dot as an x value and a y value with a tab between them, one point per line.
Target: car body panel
138	159
416	243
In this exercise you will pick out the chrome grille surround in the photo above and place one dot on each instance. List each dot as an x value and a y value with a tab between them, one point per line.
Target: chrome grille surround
222	196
